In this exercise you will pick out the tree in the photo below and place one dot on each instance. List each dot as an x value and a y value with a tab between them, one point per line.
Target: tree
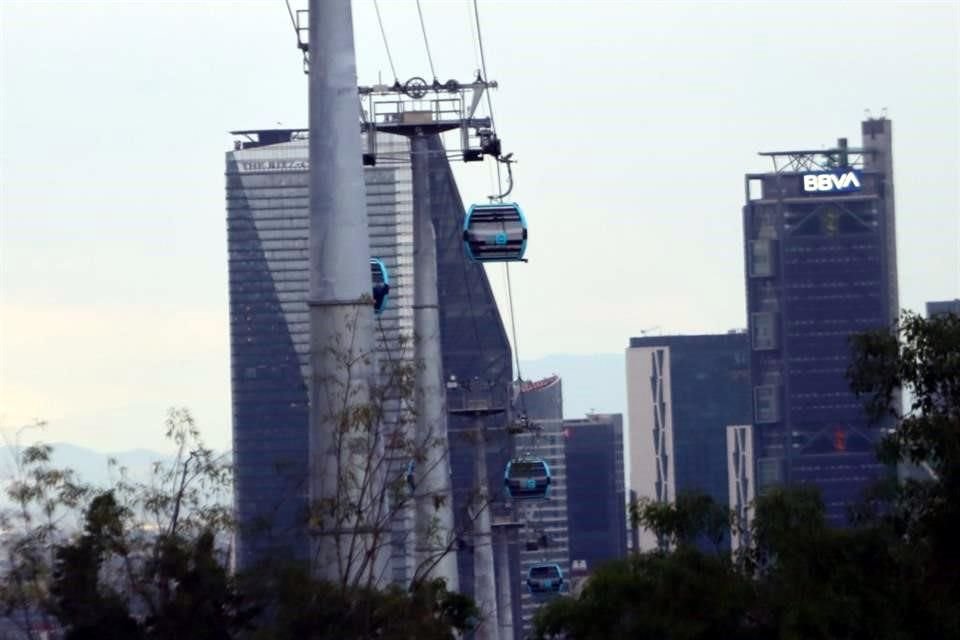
922	358
893	575
144	564
303	608
679	591
88	608
817	582
692	518
44	501
378	459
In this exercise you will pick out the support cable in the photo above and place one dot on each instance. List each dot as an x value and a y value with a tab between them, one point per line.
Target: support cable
483	62
513	322
483	69
386	46
293	20
426	44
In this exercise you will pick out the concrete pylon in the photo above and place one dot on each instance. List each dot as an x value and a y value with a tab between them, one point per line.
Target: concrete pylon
505	607
484	587
436	552
341	317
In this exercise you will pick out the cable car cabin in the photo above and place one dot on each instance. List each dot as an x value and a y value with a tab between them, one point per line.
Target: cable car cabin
527	479
495	232
381	284
545	578
408	475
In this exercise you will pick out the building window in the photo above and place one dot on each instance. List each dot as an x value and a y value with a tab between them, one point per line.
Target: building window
761	258
769	472
764	330
766	403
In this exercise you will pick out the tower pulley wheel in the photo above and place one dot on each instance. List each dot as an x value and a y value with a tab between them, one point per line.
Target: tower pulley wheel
416	87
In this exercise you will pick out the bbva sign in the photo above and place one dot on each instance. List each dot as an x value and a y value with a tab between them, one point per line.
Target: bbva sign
831	182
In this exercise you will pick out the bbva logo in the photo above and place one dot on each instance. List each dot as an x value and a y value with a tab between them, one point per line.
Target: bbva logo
848	181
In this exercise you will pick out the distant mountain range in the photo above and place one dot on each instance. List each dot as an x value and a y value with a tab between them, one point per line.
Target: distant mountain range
91	466
591	383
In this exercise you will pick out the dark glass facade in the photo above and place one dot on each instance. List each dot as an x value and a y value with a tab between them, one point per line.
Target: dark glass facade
821	266
475	348
596	499
267	242
267	225
943	307
709	390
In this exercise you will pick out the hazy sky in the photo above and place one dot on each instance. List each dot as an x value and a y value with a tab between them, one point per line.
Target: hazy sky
633	124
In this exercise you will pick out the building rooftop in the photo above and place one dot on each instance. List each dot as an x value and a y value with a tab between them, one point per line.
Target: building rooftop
733	335
537	385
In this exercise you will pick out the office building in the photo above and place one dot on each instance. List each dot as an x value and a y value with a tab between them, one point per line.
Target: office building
682	394
545	538
943	307
820	246
596	498
267	223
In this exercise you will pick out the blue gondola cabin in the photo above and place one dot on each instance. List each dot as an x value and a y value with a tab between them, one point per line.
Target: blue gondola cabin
527	479
495	232
381	284
545	578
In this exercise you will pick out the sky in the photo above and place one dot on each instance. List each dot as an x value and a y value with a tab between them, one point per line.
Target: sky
633	124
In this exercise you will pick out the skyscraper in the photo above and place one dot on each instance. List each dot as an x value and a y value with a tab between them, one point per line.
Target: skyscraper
596	498
267	222
546	535
682	394
821	266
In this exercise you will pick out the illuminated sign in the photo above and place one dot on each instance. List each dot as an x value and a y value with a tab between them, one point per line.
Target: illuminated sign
831	182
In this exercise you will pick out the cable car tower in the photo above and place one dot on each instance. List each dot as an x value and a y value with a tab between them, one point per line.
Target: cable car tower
418	111
415	108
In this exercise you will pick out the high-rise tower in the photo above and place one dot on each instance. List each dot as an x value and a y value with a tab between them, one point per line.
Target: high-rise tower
596	496
683	392
821	266
267	223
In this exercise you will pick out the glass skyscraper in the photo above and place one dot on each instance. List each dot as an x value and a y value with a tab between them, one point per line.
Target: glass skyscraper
682	394
546	535
820	248
267	226
596	499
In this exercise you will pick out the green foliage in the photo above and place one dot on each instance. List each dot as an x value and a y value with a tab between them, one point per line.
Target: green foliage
818	582
922	357
893	576
692	517
86	607
142	562
303	608
685	594
45	499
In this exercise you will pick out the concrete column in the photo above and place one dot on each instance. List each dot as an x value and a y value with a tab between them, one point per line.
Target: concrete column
484	590
435	550
503	582
344	549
